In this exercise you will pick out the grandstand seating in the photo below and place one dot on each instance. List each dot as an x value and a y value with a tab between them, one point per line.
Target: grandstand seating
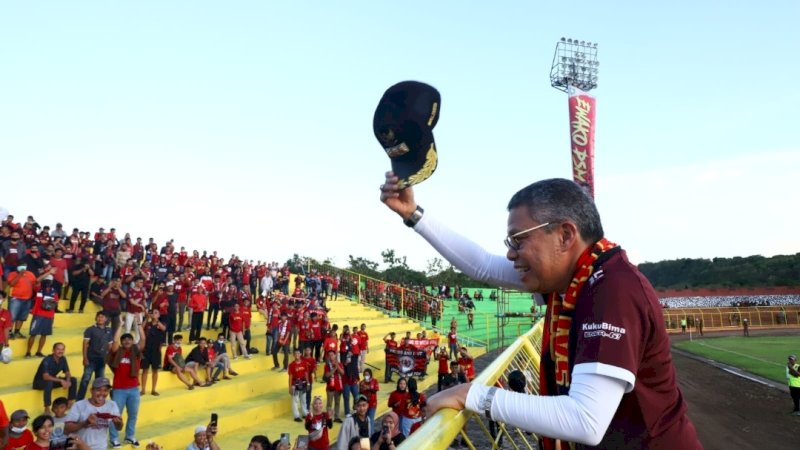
255	402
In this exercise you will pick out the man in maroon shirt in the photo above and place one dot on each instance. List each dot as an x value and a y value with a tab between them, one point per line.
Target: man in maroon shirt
606	365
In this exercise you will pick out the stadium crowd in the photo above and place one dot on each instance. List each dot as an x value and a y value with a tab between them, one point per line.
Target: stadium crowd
148	297
730	300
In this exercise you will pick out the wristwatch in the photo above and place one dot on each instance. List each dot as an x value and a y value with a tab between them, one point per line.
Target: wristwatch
415	217
487	402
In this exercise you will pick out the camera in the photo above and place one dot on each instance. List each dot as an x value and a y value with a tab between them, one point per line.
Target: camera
61	444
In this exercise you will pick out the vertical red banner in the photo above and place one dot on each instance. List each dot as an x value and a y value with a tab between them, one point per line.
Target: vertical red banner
581	129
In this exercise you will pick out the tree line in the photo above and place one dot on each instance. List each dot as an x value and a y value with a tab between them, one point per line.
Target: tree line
685	273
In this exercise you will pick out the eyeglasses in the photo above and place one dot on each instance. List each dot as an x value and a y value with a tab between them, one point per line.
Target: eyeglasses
513	242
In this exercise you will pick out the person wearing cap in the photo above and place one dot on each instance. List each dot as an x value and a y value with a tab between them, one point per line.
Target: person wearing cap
204	438
355	426
793	377
618	372
91	418
125	359
19	436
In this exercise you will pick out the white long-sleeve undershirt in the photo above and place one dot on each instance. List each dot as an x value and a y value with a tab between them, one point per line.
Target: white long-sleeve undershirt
582	416
466	255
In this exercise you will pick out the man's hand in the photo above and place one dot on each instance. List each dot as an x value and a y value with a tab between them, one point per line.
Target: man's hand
398	200
66	384
453	398
291	390
85	362
91	420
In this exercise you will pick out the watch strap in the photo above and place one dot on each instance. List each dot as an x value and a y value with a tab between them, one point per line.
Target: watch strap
415	217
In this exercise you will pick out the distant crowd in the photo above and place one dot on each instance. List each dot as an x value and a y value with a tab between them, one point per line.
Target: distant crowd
726	301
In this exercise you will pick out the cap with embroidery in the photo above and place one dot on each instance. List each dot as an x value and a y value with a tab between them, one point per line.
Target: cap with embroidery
403	124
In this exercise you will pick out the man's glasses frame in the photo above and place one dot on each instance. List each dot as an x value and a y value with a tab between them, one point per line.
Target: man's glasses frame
514	243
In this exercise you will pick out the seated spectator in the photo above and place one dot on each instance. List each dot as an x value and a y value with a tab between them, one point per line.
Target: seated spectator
204	438
44	312
47	376
19	436
198	359
222	362
389	435
174	361
42	432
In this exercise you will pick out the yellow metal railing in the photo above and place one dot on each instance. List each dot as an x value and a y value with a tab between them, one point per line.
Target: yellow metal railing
473	430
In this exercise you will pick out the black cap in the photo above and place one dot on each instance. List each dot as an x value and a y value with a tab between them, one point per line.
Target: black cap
403	124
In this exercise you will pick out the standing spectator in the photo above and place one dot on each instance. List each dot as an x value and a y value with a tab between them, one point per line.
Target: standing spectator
282	338
236	323
311	364
470	318
112	297
412	413
369	387
683	325
22	282
299	383
135	307
213	303
12	252
793	376
198	303
79	281
155	335
44	312
59	264
356	426
350	381
441	355
363	344
398	399
47	378
467	363
391	343
389	436
333	383
247	316
92	418
172	310
318	422
6	324
125	359
97	341
746	327
4	422
452	342
19	436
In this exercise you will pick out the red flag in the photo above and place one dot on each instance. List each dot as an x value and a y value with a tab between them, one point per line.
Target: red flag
581	128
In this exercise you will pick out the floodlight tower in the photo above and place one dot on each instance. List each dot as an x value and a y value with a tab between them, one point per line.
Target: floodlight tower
574	71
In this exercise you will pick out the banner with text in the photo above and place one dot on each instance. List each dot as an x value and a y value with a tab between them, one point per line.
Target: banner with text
581	128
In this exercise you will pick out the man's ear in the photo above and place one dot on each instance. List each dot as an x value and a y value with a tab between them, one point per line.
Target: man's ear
569	235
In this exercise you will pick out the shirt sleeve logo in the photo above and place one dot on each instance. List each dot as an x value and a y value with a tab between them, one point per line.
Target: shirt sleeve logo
602	329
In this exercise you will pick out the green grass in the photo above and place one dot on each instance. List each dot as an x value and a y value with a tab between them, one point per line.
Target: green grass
764	356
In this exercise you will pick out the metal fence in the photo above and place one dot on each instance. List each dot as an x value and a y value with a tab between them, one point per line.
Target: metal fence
473	430
733	317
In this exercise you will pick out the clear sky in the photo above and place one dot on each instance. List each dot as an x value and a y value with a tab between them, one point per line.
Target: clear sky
246	126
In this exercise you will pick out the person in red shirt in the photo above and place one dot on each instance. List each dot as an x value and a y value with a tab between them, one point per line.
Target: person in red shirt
452	342
398	399
444	365
198	303
318	422
412	413
299	383
173	358
363	344
236	323
283	336
247	315
42	431
390	344
44	312
125	360
6	324
311	363
333	383
369	386
467	363
19	436
317	334
182	288
135	306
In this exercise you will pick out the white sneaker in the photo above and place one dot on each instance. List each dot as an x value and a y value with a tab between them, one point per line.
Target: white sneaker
247	356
